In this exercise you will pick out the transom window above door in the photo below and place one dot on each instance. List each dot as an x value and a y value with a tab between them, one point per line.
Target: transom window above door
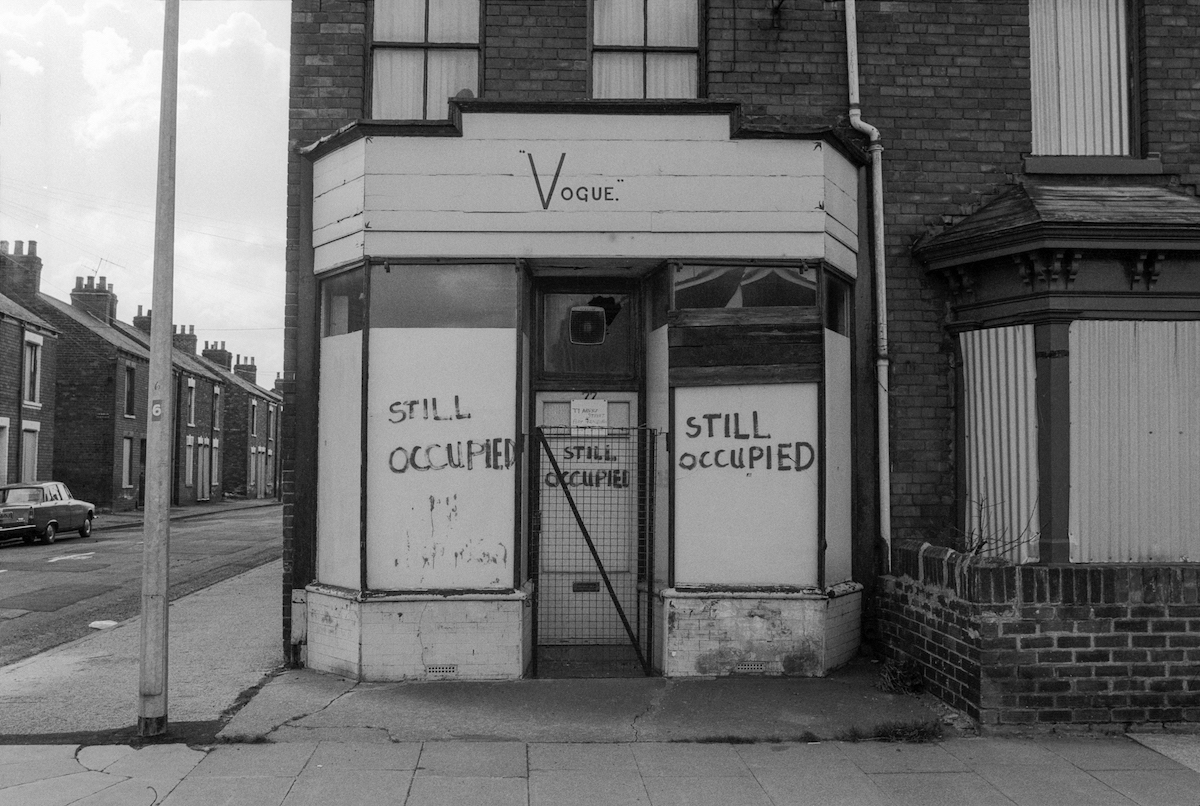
424	52
645	49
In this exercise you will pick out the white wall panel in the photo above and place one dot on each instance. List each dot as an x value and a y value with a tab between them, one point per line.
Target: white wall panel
339	456
1001	442
1135	441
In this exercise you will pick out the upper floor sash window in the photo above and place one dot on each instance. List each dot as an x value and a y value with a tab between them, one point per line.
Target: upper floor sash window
645	49
424	52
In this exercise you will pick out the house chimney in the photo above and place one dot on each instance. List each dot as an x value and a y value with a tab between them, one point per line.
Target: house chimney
97	299
141	322
20	274
246	371
184	340
218	355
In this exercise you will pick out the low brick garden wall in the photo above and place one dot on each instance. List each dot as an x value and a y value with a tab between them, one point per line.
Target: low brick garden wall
1044	644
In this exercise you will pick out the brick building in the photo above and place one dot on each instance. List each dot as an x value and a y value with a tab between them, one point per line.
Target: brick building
99	394
1021	174
196	448
28	363
250	428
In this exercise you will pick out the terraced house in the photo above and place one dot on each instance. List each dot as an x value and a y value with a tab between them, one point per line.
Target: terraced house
709	337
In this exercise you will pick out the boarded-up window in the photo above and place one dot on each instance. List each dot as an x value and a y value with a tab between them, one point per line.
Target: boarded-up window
645	49
1079	56
424	52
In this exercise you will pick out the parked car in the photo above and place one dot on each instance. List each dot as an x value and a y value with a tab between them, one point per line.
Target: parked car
41	511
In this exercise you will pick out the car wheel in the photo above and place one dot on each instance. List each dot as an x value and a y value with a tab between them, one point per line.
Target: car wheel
48	535
86	529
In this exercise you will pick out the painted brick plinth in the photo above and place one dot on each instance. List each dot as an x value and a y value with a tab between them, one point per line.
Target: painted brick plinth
475	636
799	633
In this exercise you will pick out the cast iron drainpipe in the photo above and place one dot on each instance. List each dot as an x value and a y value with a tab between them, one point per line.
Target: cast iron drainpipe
879	265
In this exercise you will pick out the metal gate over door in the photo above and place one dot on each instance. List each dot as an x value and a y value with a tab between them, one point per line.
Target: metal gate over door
593	550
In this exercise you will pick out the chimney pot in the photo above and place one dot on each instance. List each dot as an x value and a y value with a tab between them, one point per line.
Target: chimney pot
91	282
33	248
3	247
18	247
139	310
103	282
191	329
222	345
78	283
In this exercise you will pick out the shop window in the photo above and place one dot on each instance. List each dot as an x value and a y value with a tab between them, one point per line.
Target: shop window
342	303
745	287
444	296
645	49
837	304
1079	69
423	53
575	343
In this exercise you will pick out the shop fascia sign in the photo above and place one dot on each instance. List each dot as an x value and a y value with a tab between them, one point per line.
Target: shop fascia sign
555	188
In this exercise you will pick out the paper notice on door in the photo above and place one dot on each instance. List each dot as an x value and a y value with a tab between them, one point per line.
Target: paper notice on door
589	414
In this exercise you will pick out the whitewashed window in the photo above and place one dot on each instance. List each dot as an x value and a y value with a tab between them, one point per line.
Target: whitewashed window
423	53
189	461
31	386
1079	68
127	461
645	49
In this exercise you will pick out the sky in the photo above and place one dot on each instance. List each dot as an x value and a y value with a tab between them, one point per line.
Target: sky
79	108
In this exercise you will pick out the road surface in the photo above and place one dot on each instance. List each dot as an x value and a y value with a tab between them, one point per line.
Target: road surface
50	594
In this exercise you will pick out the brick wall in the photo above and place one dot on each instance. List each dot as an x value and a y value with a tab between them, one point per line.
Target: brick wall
1015	645
536	51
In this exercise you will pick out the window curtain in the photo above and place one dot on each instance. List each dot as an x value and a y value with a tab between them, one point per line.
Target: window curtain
617	75
1078	69
619	22
400	21
454	21
399	81
450	71
672	23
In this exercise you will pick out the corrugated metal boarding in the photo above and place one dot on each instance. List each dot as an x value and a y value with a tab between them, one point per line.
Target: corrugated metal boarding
1001	442
1135	442
1078	67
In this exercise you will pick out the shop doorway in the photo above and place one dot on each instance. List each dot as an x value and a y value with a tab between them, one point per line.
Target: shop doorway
589	549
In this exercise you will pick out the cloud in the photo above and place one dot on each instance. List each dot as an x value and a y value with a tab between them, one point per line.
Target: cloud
26	64
240	31
125	92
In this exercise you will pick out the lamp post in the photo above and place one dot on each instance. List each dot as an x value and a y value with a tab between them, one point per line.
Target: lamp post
152	687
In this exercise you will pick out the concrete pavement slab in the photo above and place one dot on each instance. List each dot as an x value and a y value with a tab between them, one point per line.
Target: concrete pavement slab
254	760
211	791
940	789
1056	785
365	756
608	788
706	791
987	751
447	791
673	760
1183	748
51	765
57	791
1108	753
162	762
584	757
1154	787
836	784
127	792
473	759
882	757
322	787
